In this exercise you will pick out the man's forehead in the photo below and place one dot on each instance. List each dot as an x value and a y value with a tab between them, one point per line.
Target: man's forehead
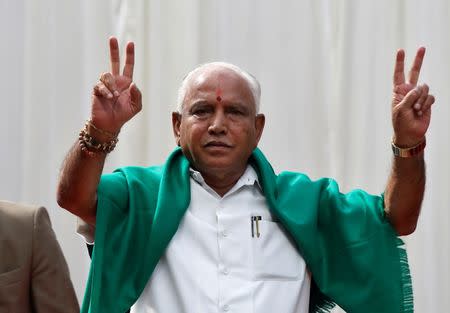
214	74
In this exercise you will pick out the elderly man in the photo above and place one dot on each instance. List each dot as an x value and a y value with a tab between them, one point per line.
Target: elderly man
215	229
34	277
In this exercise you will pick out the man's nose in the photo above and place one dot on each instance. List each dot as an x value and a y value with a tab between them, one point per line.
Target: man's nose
218	125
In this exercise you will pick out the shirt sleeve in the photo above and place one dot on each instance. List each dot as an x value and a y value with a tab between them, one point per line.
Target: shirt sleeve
86	231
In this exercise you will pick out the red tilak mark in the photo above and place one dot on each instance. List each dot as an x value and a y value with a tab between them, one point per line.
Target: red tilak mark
218	94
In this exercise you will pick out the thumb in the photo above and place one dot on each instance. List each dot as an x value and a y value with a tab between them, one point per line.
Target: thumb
136	98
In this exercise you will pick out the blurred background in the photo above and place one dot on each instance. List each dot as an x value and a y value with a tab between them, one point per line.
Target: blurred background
326	73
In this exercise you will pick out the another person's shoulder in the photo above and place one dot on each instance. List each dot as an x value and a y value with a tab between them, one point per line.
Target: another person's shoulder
17	212
18	221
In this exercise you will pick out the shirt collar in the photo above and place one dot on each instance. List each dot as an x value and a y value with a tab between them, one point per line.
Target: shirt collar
249	178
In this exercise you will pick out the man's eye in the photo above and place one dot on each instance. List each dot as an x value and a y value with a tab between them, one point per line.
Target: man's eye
236	112
200	112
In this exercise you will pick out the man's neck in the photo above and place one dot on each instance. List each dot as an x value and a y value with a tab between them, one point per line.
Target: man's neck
222	182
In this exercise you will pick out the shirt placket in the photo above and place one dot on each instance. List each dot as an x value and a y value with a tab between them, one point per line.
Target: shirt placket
223	266
234	295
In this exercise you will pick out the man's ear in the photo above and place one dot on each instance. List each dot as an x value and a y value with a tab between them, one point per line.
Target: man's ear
176	125
260	121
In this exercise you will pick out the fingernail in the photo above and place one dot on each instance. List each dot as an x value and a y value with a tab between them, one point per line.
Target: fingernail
417	106
116	93
419	113
110	96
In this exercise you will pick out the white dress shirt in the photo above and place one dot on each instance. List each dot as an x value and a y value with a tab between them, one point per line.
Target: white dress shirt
217	263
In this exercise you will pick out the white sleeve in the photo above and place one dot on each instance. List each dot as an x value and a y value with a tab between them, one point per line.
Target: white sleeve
85	230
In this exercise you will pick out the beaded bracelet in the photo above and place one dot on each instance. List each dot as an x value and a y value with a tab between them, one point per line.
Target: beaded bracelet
91	146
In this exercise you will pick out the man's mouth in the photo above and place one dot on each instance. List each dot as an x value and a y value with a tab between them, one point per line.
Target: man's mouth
218	144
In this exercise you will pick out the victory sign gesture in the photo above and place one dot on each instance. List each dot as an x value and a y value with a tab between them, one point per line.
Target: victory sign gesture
411	103
115	98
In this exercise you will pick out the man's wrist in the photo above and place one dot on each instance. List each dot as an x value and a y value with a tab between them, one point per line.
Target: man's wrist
109	128
405	143
407	152
94	140
100	134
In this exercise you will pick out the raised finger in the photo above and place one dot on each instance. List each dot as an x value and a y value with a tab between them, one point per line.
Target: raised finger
129	61
110	82
114	54
399	70
423	96
414	73
101	91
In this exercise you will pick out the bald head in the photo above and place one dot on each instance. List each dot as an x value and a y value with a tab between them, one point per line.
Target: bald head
203	70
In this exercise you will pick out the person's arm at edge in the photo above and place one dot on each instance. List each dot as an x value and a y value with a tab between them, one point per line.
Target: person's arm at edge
404	193
411	113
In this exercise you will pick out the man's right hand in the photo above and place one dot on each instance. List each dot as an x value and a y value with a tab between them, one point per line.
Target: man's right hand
115	98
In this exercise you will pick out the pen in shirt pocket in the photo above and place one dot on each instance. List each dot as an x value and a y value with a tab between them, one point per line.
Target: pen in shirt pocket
254	221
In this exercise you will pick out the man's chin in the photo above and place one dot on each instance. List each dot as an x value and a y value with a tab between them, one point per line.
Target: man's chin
217	165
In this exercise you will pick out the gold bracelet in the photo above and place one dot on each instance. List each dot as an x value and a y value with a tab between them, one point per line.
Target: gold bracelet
91	146
408	152
90	124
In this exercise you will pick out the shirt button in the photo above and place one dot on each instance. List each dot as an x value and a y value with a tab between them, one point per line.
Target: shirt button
225	271
226	307
224	233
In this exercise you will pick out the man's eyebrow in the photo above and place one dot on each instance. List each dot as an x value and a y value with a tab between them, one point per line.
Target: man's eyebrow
200	103
239	105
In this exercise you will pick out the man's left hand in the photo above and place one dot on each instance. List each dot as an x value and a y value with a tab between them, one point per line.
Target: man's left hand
411	103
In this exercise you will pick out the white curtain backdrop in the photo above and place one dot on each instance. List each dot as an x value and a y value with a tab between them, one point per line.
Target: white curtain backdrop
325	68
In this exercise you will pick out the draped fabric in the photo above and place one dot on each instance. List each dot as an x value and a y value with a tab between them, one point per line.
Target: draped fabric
325	68
352	252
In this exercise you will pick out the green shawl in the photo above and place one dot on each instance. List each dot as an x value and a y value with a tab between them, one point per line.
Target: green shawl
354	255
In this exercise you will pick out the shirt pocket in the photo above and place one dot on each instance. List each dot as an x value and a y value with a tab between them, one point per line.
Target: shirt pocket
274	254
